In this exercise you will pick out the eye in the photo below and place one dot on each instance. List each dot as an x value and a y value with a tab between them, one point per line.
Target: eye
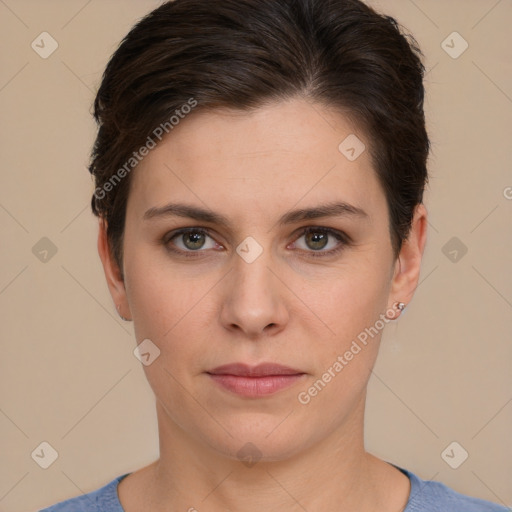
190	240
316	239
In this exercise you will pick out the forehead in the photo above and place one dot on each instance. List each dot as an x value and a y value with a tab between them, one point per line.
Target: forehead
282	154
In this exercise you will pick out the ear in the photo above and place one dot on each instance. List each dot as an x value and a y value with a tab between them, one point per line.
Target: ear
408	263
113	274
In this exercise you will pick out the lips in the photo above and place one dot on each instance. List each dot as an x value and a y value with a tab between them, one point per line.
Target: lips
255	381
261	370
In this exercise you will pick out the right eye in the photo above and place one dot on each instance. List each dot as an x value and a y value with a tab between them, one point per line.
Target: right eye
189	240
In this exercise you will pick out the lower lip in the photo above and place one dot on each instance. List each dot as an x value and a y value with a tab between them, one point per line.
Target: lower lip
256	386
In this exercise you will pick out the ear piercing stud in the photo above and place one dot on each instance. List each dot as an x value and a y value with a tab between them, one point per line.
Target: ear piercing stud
399	306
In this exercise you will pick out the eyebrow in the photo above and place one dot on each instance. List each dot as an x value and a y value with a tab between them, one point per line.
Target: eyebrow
336	209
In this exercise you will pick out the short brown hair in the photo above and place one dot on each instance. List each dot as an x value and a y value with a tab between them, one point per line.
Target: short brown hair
245	53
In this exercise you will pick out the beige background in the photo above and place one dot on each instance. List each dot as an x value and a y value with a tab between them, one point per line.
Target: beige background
68	374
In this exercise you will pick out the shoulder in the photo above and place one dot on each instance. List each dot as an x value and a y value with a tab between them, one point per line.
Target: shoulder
430	496
104	499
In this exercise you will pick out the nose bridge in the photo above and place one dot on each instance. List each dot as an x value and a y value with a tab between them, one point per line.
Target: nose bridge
253	299
251	274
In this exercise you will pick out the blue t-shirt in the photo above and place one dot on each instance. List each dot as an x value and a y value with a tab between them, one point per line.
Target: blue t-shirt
425	496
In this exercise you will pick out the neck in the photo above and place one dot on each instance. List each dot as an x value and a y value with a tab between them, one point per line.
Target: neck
333	474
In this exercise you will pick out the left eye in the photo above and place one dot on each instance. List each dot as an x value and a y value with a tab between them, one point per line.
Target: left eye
318	239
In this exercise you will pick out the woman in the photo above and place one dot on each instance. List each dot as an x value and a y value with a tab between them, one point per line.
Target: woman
260	168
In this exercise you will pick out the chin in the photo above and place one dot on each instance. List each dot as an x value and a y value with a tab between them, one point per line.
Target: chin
262	438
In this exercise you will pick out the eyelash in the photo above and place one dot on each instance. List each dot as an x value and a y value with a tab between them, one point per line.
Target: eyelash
340	236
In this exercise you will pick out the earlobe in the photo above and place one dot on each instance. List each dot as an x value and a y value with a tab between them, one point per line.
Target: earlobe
113	274
408	264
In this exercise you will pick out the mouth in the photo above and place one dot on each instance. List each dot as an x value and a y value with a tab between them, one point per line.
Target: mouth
255	381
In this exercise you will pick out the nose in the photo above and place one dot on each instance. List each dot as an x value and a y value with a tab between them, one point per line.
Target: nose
253	298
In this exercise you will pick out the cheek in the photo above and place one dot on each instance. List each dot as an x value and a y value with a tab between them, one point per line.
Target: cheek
153	300
168	308
352	309
344	361
356	297
157	293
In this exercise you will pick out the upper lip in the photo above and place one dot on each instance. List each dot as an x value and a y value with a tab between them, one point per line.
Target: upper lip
260	370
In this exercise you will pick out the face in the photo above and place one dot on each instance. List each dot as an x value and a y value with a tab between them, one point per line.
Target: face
252	239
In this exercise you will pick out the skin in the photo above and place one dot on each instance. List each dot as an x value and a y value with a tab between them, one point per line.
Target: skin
287	306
